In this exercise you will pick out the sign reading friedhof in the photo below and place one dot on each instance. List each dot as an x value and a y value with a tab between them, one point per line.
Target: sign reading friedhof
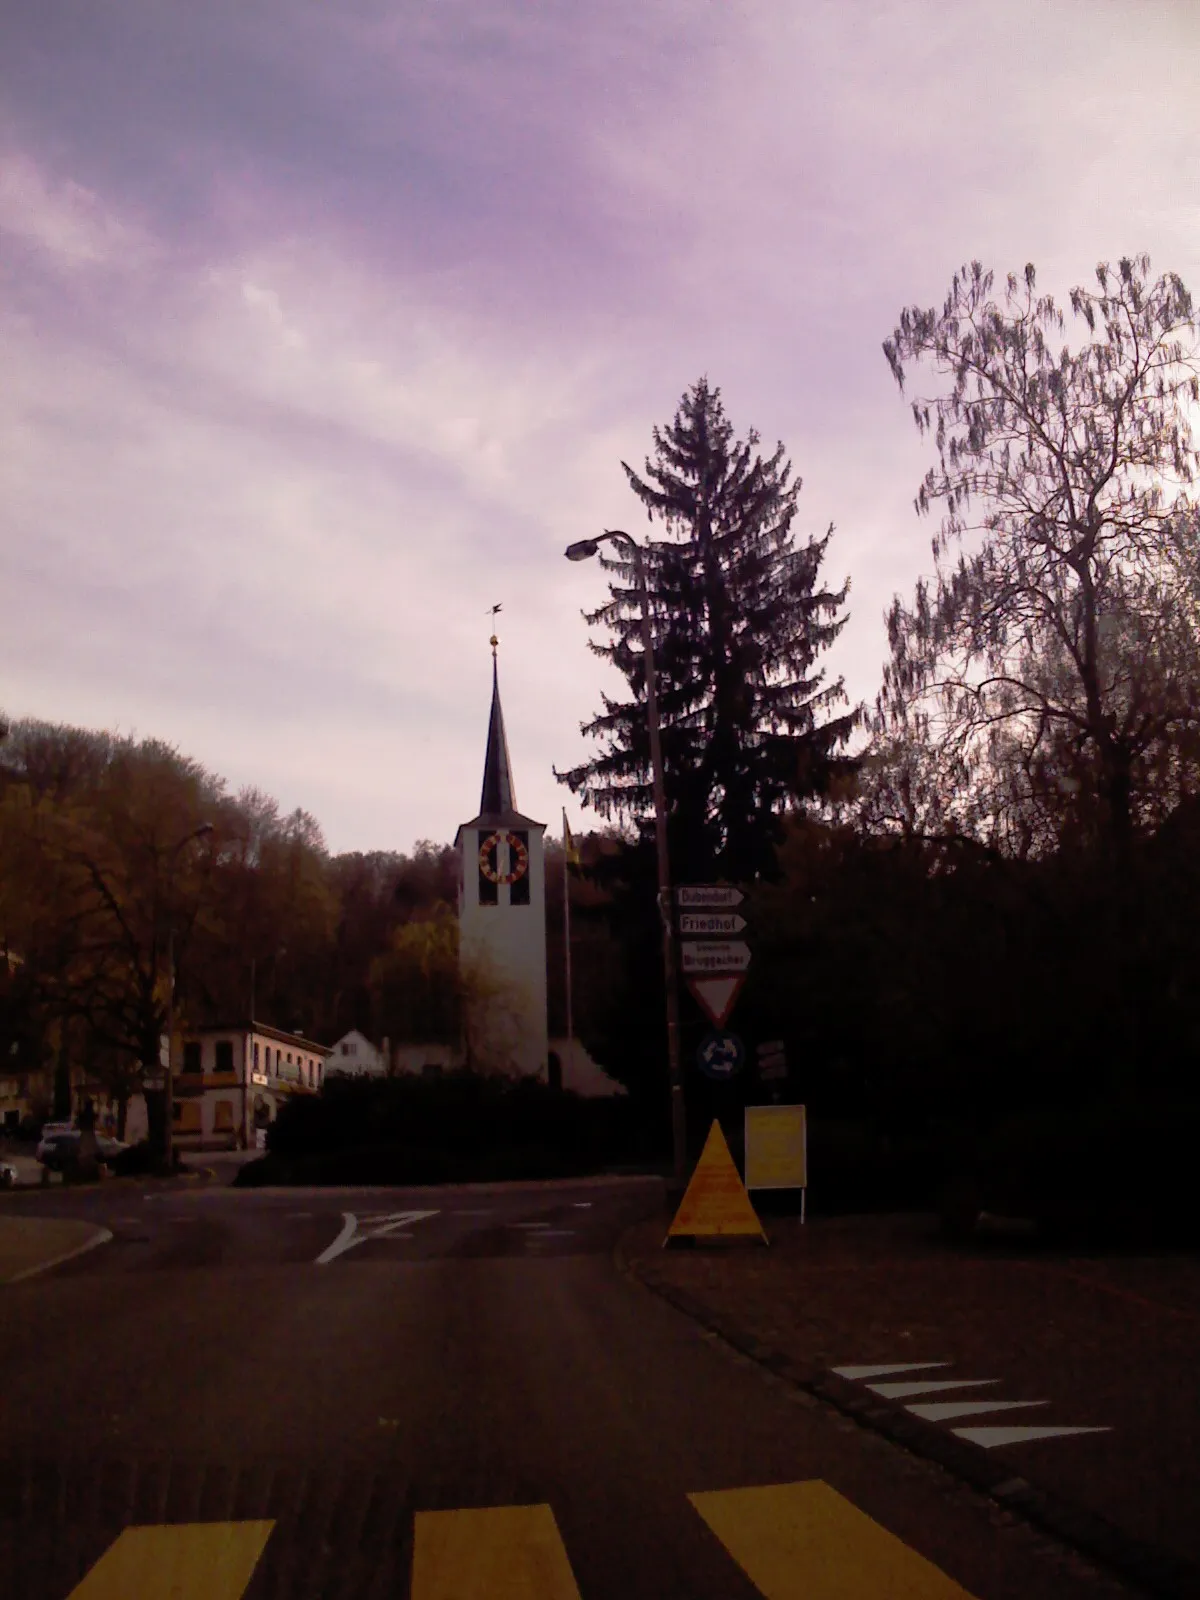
707	896
724	955
711	923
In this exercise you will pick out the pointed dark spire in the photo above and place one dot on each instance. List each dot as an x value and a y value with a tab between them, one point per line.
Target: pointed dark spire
498	798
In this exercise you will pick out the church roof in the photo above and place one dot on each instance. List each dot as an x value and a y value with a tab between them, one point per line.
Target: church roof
498	800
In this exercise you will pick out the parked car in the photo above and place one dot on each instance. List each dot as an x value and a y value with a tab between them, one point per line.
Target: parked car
51	1131
54	1153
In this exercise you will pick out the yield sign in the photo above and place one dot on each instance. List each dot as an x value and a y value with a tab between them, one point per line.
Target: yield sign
716	995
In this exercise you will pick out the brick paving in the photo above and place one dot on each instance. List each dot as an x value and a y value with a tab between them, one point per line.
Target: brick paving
1109	1341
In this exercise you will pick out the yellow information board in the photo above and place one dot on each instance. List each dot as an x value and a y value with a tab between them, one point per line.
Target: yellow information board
776	1147
715	1203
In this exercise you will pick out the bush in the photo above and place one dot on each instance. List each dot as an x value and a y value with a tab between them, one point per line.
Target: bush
135	1162
1110	1173
460	1122
399	1165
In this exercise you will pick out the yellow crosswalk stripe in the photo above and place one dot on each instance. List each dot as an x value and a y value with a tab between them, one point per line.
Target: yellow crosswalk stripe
495	1553
179	1561
804	1541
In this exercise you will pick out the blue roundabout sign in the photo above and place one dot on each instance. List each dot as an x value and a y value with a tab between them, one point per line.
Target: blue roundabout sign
720	1055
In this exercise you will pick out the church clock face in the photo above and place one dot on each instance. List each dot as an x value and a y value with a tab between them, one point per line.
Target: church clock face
489	858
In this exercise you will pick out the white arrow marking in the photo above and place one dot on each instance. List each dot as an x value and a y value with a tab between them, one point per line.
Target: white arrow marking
343	1241
390	1229
898	1391
882	1372
943	1410
989	1438
350	1236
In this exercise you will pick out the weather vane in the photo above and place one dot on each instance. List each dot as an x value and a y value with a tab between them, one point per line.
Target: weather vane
493	641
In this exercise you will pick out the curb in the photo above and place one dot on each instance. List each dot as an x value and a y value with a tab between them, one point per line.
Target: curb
101	1236
1158	1572
495	1186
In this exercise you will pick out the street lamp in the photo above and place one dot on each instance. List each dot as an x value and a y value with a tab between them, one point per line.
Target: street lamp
169	1096
583	550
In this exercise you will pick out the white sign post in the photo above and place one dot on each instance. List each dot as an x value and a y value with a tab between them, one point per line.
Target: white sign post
719	955
709	923
707	896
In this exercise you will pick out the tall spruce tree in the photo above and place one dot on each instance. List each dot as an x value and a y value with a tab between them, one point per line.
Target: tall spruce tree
738	624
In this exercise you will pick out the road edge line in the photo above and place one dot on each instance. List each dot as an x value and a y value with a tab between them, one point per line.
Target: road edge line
1157	1571
101	1236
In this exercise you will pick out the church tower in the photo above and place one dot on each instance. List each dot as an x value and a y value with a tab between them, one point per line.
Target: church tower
502	919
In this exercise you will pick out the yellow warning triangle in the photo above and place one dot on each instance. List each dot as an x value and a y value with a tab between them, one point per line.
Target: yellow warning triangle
715	1203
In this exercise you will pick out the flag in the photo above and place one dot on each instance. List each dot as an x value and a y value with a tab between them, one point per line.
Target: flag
568	843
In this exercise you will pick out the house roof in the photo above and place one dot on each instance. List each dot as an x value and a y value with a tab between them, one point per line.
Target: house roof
263	1030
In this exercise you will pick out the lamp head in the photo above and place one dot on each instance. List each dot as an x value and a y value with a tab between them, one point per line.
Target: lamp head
582	549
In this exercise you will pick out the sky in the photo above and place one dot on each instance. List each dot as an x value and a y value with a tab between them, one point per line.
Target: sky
326	327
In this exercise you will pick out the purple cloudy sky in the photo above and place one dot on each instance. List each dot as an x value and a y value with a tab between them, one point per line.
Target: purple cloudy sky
323	327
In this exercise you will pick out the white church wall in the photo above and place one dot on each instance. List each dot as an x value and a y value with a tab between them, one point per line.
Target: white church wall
502	949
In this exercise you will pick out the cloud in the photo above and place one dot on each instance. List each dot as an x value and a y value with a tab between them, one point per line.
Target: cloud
65	221
326	328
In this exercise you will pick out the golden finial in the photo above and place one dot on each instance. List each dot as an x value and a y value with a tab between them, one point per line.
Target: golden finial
493	641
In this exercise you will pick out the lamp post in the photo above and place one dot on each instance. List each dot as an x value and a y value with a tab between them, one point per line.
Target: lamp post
169	1094
583	550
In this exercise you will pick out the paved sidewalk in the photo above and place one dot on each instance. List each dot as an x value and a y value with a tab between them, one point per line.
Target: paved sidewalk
1052	1341
29	1245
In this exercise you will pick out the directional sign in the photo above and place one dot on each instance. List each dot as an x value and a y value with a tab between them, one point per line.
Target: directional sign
716	995
707	896
711	922
720	1055
725	955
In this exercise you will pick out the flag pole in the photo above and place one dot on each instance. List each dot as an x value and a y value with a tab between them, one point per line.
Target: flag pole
567	944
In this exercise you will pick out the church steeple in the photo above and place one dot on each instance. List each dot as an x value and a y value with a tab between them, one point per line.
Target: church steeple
497	798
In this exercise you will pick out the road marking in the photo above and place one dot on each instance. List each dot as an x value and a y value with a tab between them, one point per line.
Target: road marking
514	1551
989	1438
351	1235
942	1410
892	1366
582	1205
343	1241
897	1391
51	1228
183	1561
804	1541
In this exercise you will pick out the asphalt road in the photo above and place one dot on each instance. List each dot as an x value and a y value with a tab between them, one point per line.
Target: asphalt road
329	1369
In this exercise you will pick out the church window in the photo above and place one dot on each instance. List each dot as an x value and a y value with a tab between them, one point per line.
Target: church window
518	894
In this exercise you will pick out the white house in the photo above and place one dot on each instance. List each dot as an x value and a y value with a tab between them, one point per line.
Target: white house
229	1083
354	1053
